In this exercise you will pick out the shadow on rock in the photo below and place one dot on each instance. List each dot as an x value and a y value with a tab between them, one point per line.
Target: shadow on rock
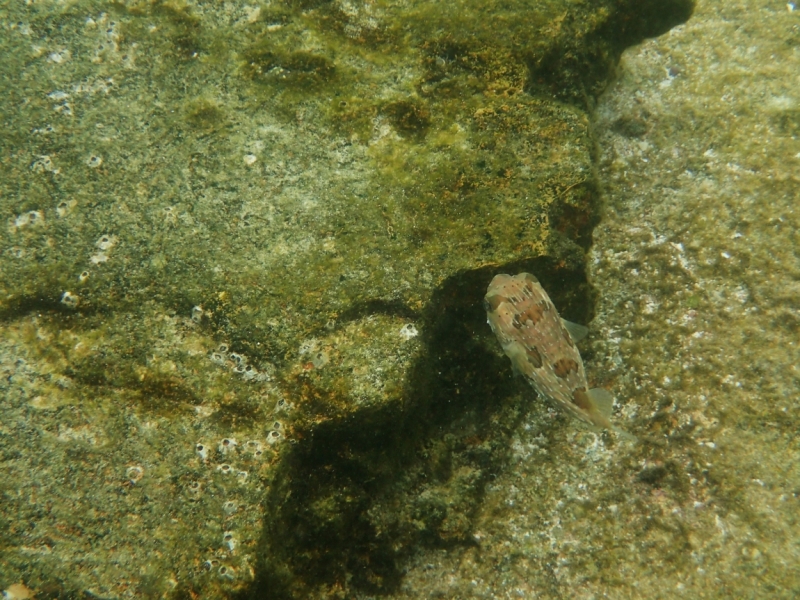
356	497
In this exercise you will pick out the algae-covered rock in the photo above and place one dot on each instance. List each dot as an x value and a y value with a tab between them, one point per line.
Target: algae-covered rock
239	237
695	331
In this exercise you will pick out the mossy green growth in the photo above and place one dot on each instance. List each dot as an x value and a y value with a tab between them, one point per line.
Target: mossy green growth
304	70
409	118
205	114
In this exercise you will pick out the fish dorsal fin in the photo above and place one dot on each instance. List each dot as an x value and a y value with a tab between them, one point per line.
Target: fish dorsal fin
602	400
576	332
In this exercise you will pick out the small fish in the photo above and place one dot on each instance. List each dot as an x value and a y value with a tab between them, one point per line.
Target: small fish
541	346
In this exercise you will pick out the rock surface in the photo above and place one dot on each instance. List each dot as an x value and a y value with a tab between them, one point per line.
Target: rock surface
696	266
245	246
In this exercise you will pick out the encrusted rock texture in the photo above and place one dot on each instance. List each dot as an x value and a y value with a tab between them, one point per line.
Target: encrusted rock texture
243	252
696	268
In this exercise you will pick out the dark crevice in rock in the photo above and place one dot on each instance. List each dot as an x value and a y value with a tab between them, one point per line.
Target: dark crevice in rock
577	68
578	213
394	308
32	304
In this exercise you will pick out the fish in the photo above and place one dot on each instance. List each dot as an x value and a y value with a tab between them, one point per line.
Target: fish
542	347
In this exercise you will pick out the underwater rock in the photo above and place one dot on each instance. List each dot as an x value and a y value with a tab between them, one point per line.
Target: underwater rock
219	217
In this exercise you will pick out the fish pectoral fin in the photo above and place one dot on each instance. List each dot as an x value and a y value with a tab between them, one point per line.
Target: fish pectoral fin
519	357
602	400
576	332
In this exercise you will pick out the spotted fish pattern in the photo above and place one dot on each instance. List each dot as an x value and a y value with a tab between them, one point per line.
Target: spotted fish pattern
542	348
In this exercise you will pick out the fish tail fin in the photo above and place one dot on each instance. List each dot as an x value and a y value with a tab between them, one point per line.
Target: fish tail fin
603	400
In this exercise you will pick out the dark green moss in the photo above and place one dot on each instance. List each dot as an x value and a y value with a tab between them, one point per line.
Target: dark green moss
630	126
205	115
352	117
267	64
410	118
184	28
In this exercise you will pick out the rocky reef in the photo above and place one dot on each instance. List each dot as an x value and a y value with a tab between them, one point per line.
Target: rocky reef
243	348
